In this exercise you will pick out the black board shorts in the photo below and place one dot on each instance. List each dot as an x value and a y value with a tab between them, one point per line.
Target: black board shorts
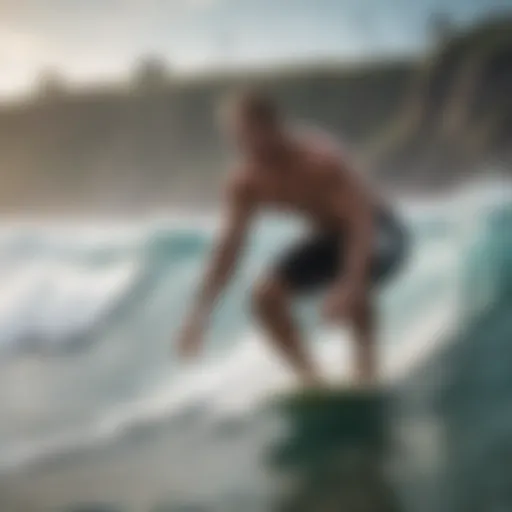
317	261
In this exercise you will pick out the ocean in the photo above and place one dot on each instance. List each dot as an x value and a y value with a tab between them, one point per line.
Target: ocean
96	406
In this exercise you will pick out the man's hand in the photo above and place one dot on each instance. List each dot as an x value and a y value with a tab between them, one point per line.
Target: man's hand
344	302
191	338
225	256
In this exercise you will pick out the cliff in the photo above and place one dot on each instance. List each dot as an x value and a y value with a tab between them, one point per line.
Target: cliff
108	150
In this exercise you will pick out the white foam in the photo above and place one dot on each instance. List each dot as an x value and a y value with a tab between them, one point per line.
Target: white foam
49	303
240	382
60	301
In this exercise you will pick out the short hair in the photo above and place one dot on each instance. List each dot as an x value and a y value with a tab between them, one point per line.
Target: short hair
254	105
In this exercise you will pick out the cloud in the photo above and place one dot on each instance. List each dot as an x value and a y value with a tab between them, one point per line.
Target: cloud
21	55
89	39
201	3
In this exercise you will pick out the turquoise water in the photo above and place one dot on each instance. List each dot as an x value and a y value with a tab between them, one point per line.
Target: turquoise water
88	314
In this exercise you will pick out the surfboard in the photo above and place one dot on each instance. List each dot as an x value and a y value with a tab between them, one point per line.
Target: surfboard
320	420
334	447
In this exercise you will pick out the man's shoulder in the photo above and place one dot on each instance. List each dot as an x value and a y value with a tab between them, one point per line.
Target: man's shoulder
240	181
321	145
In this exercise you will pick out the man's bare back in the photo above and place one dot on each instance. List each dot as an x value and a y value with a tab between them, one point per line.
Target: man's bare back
310	176
313	179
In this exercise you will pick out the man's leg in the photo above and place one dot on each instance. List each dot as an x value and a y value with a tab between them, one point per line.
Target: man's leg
365	347
271	302
390	253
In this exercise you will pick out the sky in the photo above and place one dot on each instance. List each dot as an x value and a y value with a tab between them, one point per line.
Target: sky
97	40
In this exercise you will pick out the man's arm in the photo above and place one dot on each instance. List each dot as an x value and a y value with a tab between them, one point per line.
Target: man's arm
354	204
360	226
225	255
231	238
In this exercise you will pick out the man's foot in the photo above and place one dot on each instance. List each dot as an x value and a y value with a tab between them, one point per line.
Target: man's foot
313	382
367	382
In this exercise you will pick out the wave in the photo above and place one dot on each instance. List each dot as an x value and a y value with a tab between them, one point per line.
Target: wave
111	298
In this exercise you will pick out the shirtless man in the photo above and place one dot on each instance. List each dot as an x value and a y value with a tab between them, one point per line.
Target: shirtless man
354	242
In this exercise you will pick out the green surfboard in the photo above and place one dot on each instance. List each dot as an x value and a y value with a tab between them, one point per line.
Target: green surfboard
333	451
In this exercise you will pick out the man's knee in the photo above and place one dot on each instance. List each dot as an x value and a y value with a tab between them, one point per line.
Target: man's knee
267	294
363	314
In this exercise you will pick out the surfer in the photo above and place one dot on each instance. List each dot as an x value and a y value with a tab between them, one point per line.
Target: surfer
354	242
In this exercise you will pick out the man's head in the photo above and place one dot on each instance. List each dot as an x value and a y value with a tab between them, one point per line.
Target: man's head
253	120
